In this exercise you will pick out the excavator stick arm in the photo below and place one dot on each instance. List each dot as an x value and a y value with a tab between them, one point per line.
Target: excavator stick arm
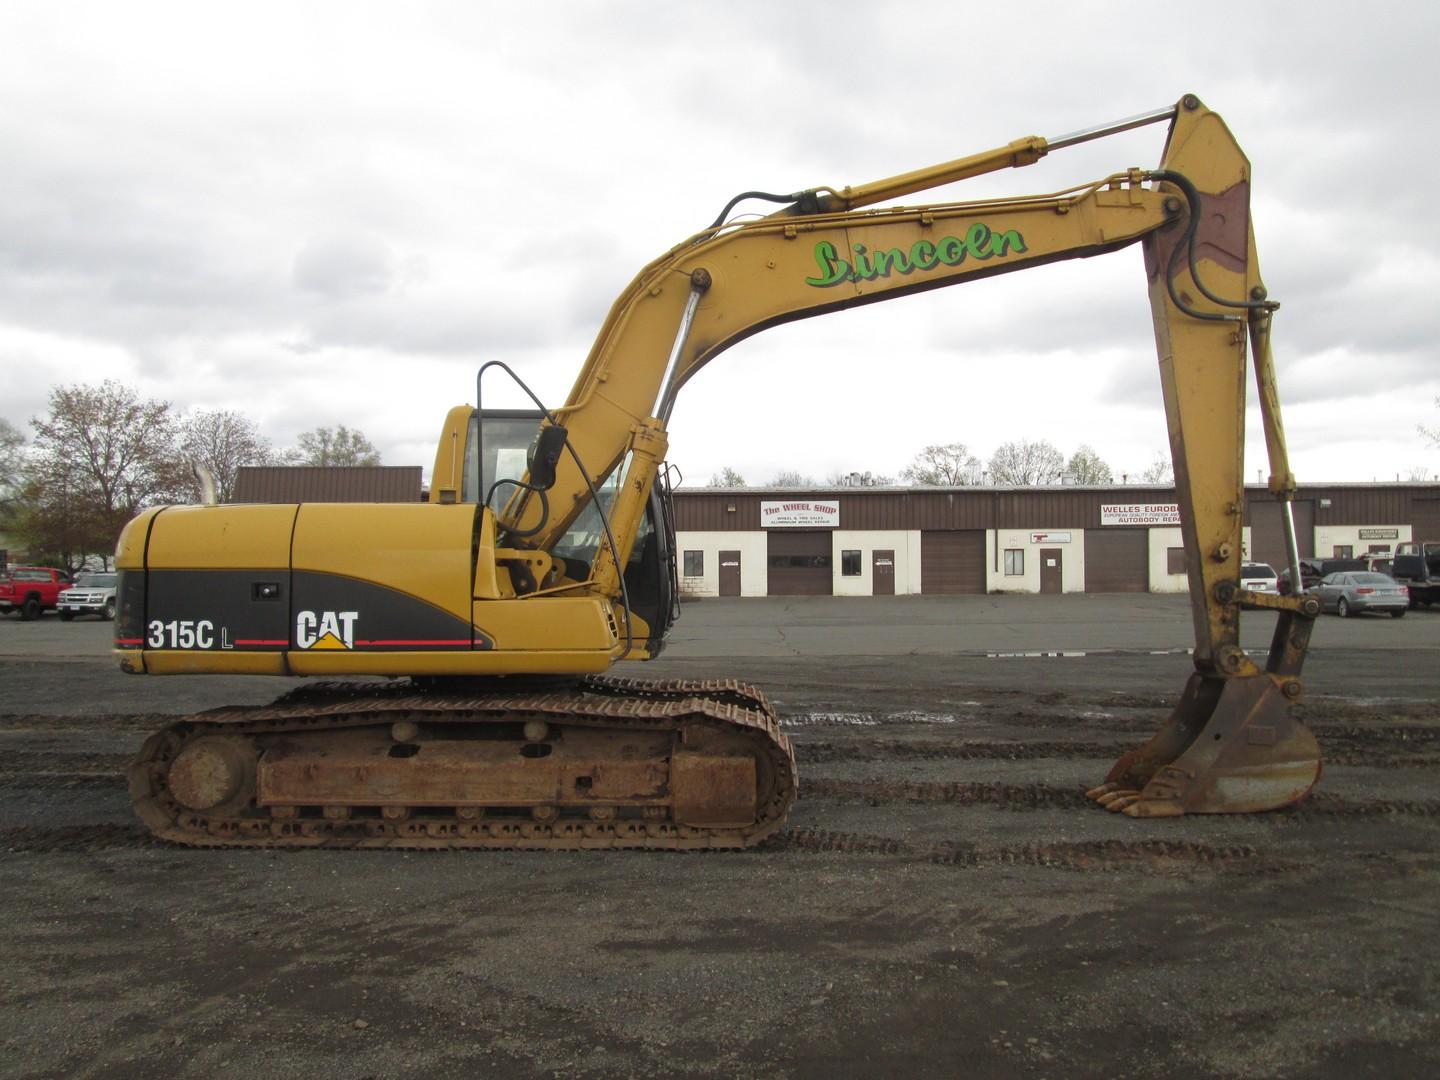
1231	744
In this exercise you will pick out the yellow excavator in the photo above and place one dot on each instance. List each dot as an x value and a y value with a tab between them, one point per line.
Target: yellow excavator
546	553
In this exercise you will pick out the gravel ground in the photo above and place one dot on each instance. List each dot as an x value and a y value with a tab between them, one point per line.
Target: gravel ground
942	902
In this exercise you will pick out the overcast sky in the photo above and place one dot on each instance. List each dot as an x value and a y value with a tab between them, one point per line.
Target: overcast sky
324	214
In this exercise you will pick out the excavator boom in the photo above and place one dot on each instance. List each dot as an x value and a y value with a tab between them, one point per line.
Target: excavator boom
549	566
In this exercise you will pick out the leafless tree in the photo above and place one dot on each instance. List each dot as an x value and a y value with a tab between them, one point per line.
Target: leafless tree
1159	471
789	478
950	465
1430	434
223	441
727	478
1086	467
1026	463
98	457
12	463
337	446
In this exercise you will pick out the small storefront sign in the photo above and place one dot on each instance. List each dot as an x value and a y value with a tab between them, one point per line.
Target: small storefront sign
1050	538
799	514
1140	514
1379	534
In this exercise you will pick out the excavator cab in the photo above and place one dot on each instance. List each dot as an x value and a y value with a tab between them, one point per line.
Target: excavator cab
500	449
496	448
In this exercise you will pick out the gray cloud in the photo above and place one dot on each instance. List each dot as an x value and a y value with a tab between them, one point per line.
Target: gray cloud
230	204
344	267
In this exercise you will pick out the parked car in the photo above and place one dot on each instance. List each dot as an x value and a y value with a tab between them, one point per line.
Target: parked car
92	594
1421	574
1353	592
1259	577
1382	563
1418	547
31	590
1313	571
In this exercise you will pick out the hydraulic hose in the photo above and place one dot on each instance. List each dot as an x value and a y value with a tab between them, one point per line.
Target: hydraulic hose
1187	244
795	197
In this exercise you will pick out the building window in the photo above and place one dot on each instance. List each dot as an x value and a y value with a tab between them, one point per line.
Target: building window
1014	562
1344	551
694	564
850	563
1175	560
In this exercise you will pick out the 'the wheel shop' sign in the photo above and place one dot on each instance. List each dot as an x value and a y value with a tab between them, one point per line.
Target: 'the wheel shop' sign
1140	514
800	514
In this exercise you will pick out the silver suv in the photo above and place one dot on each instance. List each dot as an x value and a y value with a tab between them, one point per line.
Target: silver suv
1259	577
92	594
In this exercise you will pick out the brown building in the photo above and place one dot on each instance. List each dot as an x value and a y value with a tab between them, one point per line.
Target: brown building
871	541
851	541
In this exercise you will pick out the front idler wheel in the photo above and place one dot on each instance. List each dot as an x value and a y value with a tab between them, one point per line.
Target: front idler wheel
214	774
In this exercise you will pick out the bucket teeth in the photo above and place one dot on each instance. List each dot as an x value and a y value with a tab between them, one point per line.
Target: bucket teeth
1111	798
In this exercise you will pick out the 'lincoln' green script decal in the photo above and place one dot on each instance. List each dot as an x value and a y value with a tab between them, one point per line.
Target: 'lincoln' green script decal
979	242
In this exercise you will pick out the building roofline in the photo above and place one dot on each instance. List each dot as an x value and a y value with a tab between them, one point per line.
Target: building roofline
925	488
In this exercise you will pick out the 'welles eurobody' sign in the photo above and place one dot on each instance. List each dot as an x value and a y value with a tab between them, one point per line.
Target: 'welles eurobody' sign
1140	514
799	514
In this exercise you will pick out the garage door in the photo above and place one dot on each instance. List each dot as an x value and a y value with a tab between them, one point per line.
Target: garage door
1117	560
799	563
1425	518
1267	532
952	562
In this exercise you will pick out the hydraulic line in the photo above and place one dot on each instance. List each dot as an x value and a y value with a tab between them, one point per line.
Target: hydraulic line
1187	243
594	495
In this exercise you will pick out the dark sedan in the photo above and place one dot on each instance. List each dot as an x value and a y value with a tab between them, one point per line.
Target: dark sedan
1352	592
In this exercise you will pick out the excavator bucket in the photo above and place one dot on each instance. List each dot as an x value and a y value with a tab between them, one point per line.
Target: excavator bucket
1231	745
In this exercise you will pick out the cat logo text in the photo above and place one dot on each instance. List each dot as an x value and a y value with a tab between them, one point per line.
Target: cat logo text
325	629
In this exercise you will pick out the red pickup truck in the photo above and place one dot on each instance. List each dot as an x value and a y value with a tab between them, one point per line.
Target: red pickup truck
31	589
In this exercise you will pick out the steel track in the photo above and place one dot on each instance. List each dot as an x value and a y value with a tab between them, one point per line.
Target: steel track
618	705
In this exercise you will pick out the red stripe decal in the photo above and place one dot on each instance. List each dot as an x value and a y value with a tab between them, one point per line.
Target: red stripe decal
129	641
259	641
456	641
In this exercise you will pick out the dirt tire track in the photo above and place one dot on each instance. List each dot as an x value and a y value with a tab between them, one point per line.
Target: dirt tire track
98	836
868	749
1091	855
1008	796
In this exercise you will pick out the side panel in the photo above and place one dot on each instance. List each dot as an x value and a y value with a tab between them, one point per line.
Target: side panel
223	609
220	537
331	612
208	586
421	550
